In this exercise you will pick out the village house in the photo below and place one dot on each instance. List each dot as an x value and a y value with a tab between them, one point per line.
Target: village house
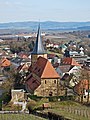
62	47
86	64
18	95
56	45
69	61
5	64
69	70
68	65
82	89
48	45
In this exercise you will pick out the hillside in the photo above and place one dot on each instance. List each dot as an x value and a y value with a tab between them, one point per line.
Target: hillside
48	25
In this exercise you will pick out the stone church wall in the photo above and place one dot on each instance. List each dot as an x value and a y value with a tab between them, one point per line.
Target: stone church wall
49	87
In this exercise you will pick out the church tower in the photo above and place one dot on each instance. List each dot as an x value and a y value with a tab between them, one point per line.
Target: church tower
38	48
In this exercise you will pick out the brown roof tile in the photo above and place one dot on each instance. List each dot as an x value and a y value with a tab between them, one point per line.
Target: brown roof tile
44	69
69	61
41	69
49	72
5	62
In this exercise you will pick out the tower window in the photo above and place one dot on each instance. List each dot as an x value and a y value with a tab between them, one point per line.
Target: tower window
45	81
55	81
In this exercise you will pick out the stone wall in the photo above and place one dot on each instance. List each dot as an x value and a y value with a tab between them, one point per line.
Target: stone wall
18	95
49	87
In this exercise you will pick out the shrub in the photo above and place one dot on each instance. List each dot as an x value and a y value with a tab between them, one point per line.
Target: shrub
31	106
35	97
53	98
11	107
4	99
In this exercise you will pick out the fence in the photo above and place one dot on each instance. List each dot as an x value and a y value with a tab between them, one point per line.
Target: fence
77	111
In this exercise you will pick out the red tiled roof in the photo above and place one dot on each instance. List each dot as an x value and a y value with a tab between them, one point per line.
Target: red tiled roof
5	62
24	56
44	69
49	72
22	67
70	61
41	69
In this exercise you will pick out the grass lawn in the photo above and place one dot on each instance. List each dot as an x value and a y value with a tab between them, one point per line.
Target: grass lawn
68	109
19	117
58	54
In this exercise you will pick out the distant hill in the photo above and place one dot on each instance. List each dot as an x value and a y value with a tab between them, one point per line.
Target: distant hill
48	25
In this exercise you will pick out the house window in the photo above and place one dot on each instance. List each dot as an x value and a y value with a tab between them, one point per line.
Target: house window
45	81
55	81
50	93
86	90
84	96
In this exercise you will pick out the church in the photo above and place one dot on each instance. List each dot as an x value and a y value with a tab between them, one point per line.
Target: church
42	80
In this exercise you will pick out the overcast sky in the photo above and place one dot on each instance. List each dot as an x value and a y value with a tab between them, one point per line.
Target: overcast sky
44	10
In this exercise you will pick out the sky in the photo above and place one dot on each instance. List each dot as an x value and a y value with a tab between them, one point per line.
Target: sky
44	10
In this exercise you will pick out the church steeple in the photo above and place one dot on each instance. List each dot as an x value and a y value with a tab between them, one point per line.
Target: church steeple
38	48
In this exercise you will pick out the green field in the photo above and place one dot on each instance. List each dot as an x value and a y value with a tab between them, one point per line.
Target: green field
71	110
19	117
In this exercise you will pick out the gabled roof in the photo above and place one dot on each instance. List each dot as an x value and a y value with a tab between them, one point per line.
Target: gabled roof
41	69
5	62
69	61
24	56
44	69
49	71
38	48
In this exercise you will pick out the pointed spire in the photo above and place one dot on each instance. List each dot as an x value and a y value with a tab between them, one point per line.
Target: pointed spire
38	48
